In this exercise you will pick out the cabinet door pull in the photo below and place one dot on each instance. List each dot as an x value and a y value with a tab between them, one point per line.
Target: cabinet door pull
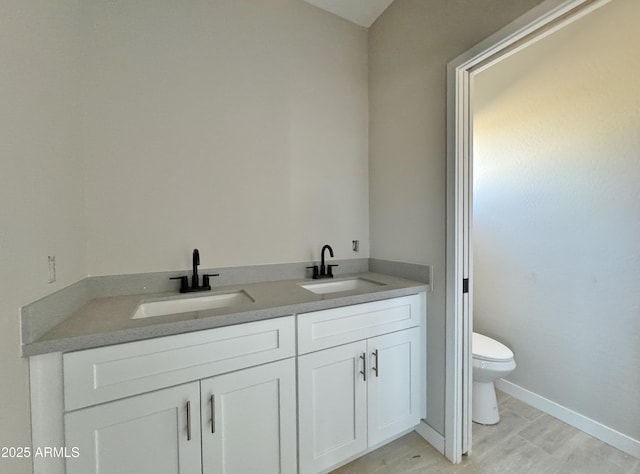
212	401
189	421
364	366
375	368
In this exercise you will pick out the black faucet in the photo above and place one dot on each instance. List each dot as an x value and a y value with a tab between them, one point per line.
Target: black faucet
195	281
325	271
196	261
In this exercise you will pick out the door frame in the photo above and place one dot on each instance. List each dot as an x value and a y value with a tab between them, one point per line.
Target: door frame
543	20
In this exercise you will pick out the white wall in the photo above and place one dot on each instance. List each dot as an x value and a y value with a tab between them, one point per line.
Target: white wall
409	48
237	126
41	185
557	215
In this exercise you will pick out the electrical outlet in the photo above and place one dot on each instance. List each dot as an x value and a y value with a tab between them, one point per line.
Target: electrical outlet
52	269
355	245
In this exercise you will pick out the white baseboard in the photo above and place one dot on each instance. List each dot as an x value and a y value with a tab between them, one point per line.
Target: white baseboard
597	430
434	438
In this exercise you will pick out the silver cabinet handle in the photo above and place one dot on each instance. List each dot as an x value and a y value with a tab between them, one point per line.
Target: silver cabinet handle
364	366
188	421
375	368
213	414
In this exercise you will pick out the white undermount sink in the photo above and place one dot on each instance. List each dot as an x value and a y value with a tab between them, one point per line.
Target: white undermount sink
184	305
336	286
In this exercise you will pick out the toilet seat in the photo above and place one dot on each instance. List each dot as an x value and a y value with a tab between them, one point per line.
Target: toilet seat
485	348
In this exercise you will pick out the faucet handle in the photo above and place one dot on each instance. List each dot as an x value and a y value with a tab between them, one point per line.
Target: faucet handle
315	271
184	282
205	278
330	270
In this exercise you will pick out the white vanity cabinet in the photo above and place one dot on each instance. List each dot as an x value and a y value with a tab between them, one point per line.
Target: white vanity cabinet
294	394
357	395
240	421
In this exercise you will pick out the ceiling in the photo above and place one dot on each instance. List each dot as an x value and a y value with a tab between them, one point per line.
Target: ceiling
361	12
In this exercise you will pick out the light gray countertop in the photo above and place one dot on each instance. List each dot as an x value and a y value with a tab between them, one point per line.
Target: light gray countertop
106	321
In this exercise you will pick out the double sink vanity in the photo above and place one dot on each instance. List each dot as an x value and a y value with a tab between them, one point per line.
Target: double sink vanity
287	376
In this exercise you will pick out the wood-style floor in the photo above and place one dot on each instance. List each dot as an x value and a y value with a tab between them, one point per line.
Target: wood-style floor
525	440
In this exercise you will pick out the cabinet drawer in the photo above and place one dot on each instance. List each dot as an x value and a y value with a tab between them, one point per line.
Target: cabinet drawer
332	327
107	373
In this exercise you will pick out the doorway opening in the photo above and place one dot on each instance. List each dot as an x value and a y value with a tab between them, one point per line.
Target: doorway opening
544	20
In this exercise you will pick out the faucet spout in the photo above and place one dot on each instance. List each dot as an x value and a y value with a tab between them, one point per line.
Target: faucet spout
322	266
325	271
326	247
196	262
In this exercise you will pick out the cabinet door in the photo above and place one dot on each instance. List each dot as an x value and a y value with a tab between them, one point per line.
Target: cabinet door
394	384
153	433
332	406
249	421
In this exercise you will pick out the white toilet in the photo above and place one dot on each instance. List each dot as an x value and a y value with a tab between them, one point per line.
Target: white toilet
492	360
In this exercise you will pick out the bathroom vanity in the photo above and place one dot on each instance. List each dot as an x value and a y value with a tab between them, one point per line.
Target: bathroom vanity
304	386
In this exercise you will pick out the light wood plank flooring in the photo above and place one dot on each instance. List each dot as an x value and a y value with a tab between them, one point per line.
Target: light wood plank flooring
525	441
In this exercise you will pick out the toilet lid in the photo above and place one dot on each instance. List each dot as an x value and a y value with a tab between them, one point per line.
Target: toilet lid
485	348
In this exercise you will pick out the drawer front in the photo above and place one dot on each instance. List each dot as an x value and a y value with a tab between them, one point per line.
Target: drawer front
108	373
332	327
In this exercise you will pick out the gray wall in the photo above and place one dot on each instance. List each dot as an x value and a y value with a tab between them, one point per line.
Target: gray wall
409	48
134	131
41	185
236	126
557	215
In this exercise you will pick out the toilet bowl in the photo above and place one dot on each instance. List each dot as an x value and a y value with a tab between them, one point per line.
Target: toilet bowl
492	360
